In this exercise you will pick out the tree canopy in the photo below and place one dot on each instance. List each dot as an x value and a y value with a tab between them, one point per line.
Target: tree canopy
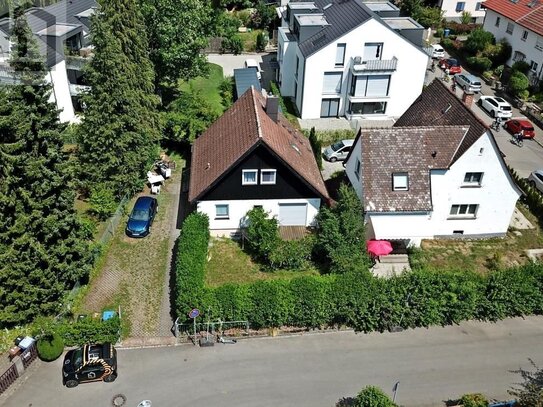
43	247
120	130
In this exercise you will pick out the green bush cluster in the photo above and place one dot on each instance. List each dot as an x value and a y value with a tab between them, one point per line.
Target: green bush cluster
50	346
233	44
89	330
274	89
327	137
480	64
190	262
372	396
474	400
316	146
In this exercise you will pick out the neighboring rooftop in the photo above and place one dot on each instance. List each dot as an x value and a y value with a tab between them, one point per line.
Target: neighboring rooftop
58	30
244	79
380	6
243	127
402	23
438	106
414	150
527	13
311	19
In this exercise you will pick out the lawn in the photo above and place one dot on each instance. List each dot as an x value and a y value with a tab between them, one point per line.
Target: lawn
481	255
228	263
249	40
208	86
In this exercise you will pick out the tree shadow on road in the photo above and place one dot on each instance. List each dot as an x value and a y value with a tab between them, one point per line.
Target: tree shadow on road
346	402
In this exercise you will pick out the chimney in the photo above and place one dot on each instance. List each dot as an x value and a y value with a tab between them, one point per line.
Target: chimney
272	108
467	98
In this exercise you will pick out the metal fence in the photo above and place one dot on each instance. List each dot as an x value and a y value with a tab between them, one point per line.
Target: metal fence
187	332
8	377
29	355
113	221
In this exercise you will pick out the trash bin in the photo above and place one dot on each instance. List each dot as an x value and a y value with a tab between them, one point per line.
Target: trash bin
108	315
446	32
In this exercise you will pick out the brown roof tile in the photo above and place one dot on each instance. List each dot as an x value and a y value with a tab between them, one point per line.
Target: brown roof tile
415	150
241	128
438	106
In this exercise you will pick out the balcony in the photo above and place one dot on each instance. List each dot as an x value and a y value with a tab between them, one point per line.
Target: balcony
360	67
77	59
76	90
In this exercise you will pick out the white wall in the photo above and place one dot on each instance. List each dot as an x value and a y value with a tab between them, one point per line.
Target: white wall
238	210
449	7
350	166
527	47
287	63
406	82
61	92
496	198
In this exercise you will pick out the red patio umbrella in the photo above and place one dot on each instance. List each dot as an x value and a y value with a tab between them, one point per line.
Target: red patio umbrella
379	247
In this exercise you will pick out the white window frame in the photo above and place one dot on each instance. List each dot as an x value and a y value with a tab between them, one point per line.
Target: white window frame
357	168
274	172
243	182
539	44
470	179
337	89
510	28
397	181
222	216
340	51
460	6
478	6
464	211
533	66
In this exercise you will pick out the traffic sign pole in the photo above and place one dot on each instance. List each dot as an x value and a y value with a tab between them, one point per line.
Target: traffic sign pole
193	314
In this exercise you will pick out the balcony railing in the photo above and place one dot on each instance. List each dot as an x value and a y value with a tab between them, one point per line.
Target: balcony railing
358	66
76	90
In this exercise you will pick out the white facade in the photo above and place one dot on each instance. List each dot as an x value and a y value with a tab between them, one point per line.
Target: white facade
453	10
60	95
403	63
495	198
237	210
527	45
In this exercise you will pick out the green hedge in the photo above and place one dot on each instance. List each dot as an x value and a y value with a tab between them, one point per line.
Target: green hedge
190	262
89	330
50	347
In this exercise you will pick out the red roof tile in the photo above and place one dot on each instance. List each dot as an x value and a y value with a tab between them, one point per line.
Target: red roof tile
530	17
241	128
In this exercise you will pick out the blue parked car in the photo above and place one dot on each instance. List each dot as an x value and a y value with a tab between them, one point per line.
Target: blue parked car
142	216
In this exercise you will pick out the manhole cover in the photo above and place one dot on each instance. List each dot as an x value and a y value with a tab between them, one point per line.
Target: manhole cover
118	400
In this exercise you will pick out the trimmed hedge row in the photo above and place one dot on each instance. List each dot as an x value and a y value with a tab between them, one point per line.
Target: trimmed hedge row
89	330
190	263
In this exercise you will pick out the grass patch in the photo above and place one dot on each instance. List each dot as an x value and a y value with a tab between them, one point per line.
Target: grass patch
249	40
228	263
208	86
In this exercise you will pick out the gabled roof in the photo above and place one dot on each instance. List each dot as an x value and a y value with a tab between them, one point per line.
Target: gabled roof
438	106
414	150
527	13
342	16
240	130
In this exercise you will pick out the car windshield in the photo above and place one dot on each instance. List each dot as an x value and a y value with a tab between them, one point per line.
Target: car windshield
77	358
140	215
500	100
337	146
453	62
476	83
527	128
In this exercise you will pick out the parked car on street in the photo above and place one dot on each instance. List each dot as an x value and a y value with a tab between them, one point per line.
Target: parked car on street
338	151
516	126
450	65
536	180
496	106
251	63
90	363
437	51
142	216
468	82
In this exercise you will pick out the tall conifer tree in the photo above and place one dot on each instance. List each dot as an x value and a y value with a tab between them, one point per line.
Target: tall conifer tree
120	129
43	248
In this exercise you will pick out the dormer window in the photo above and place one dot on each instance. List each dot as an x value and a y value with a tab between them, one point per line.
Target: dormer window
400	181
267	177
249	177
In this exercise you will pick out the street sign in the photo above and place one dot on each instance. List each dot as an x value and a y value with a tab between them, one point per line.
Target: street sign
194	313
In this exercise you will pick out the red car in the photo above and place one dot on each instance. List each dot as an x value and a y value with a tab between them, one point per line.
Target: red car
517	125
450	65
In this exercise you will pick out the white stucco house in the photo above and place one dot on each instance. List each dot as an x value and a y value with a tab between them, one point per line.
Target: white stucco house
62	33
453	9
438	173
349	58
252	156
521	24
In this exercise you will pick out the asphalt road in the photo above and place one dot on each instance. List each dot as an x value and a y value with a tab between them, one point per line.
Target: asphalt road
432	365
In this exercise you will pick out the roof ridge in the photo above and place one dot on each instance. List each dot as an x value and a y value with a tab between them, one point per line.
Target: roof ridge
530	12
257	116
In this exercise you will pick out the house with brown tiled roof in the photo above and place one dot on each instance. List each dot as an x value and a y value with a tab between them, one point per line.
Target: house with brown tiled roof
438	173
520	22
252	156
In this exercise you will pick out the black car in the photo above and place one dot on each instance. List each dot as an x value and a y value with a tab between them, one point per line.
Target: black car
142	216
90	363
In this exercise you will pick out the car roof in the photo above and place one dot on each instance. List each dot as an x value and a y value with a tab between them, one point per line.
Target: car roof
471	77
143	202
348	142
251	61
437	46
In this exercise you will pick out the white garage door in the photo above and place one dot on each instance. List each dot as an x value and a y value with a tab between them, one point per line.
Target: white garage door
292	214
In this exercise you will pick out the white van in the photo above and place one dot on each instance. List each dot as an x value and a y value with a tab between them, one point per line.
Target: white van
338	151
437	51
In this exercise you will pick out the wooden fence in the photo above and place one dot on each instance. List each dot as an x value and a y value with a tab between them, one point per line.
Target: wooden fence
17	367
8	377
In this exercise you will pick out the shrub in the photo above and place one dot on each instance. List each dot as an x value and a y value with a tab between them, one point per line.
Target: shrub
261	233
233	44
312	301
478	40
226	24
226	89
499	53
521	66
474	400
263	15
292	254
372	396
272	303
89	330
518	82
260	42
465	18
102	202
50	346
190	262
274	89
316	146
480	64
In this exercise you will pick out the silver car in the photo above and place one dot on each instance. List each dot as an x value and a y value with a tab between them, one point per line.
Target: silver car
536	180
468	82
338	151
